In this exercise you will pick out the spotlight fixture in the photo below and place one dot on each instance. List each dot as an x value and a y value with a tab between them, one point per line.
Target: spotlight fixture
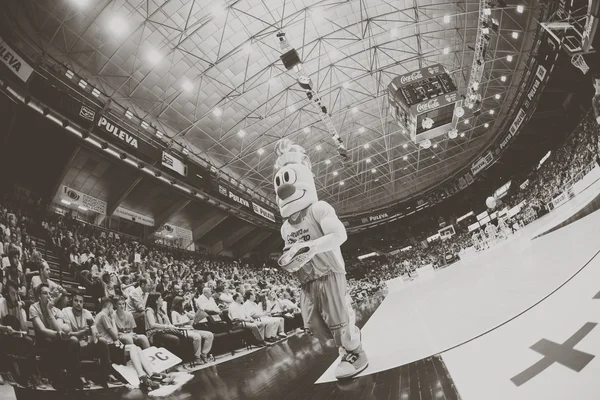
65	124
85	134
104	145
157	174
515	35
509	58
141	166
520	9
486	125
123	156
45	111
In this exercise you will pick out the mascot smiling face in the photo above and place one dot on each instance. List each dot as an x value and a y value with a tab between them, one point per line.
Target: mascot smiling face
294	182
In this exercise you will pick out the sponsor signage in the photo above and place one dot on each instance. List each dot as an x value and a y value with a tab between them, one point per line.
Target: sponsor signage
119	133
233	196
482	163
79	199
263	212
14	62
176	232
547	54
173	163
134	216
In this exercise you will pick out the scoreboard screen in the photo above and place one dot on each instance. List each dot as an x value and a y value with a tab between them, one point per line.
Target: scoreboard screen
426	89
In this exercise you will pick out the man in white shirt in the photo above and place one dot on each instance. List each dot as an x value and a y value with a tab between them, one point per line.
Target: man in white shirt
79	320
136	301
240	317
207	303
274	325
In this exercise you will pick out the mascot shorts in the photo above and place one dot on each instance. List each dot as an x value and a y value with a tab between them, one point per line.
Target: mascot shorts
327	311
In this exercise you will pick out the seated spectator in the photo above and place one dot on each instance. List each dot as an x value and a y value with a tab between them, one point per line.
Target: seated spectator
206	302
240	317
136	302
126	324
13	334
203	340
80	321
14	272
274	325
222	296
57	348
108	332
160	331
57	292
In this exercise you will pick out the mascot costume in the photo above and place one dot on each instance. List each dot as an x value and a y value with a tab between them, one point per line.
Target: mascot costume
313	234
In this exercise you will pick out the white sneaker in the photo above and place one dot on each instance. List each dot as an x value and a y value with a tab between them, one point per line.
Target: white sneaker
352	364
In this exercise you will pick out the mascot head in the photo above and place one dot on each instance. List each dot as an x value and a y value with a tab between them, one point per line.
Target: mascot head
294	183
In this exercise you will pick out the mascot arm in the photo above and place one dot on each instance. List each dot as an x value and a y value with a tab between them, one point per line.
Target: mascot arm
334	232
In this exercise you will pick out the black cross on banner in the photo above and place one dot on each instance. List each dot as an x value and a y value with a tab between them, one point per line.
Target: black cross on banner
564	354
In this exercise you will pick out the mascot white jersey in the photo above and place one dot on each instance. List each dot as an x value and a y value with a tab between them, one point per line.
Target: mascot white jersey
313	234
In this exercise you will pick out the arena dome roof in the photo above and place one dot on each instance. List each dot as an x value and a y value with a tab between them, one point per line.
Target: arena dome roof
208	75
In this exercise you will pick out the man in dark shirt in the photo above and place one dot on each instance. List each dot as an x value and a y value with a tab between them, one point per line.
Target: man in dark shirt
13	272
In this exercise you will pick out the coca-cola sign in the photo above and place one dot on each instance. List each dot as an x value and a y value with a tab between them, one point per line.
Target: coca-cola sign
414	76
428	106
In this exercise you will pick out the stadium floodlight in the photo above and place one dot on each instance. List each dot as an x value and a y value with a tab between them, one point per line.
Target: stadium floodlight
241	133
318	147
405	146
335	173
520	9
128	114
261	151
117	25
341	183
515	35
217	112
354	110
486	125
509	58
306	129
187	86
503	78
96	92
373	170
492	112
446	19
154	56
487	11
497	97
368	160
367	145
405	158
361	129
328	161
446	50
346	85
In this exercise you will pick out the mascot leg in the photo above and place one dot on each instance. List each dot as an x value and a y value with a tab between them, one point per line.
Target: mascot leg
331	294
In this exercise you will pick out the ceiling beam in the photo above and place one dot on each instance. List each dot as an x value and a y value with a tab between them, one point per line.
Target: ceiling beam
209	224
64	171
119	197
164	216
252	242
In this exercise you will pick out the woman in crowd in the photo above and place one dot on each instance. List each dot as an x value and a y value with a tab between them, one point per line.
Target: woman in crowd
126	324
108	332
203	340
160	331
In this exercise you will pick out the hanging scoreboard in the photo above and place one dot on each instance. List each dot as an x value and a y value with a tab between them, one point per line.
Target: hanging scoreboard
425	93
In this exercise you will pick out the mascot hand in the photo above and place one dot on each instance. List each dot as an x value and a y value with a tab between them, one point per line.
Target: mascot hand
297	256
